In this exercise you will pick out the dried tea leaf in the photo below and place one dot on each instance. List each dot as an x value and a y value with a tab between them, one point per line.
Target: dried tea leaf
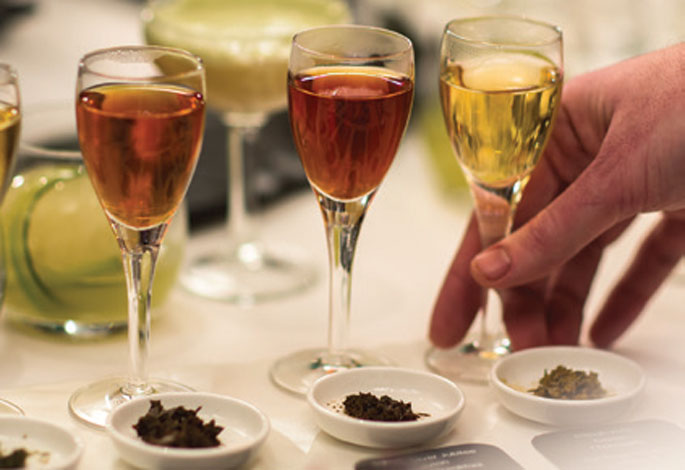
15	459
176	427
368	406
568	384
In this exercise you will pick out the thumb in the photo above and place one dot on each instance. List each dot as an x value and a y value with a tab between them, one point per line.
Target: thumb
585	210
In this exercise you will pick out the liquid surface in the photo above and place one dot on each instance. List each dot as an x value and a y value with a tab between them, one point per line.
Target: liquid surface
244	45
499	110
140	145
347	123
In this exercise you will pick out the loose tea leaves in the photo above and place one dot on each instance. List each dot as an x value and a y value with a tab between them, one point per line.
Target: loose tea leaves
176	427
368	406
15	459
568	384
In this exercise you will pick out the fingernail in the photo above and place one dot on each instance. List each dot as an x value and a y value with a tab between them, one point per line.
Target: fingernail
493	263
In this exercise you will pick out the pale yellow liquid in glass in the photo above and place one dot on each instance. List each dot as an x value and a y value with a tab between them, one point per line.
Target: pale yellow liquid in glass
10	124
244	44
499	110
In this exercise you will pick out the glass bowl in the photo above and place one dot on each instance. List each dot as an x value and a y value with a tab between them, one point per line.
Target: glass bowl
63	266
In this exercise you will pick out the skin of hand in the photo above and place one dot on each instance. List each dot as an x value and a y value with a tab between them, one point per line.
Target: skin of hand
617	150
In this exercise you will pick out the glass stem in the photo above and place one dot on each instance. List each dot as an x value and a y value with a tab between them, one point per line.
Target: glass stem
3	268
242	129
342	222
495	209
140	249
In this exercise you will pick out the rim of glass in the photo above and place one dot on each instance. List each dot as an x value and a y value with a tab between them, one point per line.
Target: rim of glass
376	29
198	68
522	19
9	73
149	15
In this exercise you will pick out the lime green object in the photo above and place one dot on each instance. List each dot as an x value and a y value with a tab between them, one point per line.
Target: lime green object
244	44
446	169
63	265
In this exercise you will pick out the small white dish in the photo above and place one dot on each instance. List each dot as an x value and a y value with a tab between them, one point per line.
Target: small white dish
49	445
513	375
428	393
245	430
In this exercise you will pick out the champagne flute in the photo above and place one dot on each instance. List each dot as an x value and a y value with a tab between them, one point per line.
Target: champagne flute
10	129
245	46
500	83
350	91
140	117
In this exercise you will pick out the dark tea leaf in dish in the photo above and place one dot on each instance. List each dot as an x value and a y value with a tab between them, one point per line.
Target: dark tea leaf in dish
368	406
15	459
176	427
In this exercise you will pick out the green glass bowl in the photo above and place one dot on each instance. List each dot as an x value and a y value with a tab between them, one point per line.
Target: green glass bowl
63	266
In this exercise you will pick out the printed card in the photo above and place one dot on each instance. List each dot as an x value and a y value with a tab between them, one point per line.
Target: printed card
650	444
459	457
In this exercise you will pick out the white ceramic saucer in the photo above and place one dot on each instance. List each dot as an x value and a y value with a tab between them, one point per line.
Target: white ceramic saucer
514	375
245	430
49	445
428	393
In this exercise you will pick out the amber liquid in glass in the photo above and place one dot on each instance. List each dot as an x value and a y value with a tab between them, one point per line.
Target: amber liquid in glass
347	123
140	144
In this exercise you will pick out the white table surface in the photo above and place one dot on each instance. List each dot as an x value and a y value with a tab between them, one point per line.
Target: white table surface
405	246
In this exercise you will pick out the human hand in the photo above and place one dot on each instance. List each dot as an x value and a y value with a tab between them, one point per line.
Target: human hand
617	150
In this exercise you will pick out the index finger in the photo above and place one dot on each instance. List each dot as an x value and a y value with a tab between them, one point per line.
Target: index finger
459	297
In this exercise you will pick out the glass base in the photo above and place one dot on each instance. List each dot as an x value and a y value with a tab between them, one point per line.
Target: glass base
299	370
93	403
251	273
9	408
469	361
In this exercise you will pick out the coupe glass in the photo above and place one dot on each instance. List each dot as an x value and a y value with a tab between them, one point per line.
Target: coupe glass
350	91
500	83
140	117
245	46
10	128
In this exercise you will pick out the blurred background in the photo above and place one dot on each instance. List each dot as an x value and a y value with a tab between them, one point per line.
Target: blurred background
44	39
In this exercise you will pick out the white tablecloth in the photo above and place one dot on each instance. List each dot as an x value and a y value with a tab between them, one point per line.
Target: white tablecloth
405	246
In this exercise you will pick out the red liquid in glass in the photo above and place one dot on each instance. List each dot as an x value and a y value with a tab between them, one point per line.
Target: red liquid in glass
347	123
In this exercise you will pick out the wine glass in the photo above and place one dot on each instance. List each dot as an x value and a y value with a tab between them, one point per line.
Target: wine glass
10	129
500	84
350	91
245	46
140	116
